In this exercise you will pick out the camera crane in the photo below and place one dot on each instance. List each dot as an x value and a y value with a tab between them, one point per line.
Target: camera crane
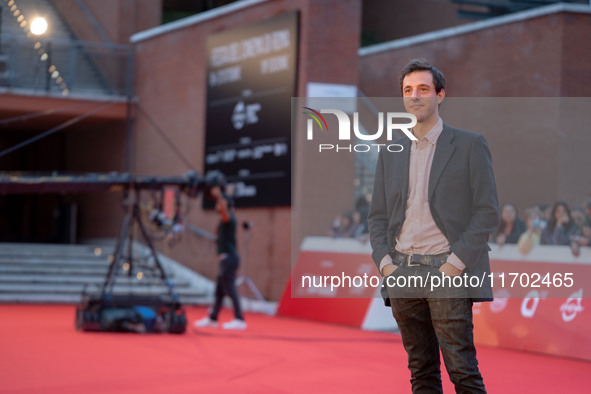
106	311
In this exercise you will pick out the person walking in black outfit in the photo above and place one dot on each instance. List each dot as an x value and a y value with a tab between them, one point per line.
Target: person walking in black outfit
229	263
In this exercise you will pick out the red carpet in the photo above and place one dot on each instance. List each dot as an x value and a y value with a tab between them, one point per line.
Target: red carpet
40	352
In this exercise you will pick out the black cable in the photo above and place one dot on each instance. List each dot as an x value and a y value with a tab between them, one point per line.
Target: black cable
166	139
55	129
77	119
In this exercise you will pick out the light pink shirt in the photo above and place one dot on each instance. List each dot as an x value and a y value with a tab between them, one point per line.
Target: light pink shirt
419	233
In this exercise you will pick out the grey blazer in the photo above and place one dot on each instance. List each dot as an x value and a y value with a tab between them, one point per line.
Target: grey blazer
462	198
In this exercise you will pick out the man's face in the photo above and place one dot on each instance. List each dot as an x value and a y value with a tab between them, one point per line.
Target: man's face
420	97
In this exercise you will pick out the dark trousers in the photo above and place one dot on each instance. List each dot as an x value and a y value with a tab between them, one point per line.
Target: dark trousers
226	286
433	320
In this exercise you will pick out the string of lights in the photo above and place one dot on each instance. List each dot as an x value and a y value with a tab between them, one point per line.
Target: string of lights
34	30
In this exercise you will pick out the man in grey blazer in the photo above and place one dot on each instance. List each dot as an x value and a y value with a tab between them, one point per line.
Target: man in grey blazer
433	208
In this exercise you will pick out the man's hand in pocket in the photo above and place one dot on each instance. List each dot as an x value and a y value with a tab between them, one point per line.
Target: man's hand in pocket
449	269
389	269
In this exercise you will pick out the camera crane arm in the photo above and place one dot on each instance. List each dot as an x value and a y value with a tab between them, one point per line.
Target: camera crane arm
191	184
22	183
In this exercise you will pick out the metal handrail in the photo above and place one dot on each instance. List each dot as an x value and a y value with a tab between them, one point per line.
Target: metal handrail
83	67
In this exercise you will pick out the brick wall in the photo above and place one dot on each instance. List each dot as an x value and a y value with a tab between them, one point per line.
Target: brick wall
171	87
546	56
392	19
119	18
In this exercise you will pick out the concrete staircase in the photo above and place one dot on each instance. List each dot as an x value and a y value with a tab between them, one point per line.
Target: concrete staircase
20	60
50	273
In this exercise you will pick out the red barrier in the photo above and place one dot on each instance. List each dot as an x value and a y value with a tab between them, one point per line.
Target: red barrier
358	306
547	319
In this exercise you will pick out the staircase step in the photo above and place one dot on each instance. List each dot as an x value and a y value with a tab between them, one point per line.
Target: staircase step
71	266
76	299
23	248
81	279
46	299
60	273
13	288
56	270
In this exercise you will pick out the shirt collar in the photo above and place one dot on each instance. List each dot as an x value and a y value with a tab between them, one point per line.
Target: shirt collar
434	133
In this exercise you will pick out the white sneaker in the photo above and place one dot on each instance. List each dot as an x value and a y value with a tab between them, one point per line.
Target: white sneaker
235	324
205	322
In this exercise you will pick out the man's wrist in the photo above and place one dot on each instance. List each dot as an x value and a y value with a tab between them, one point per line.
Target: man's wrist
392	266
455	261
386	260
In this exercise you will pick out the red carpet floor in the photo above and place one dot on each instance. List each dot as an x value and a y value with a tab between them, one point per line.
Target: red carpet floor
40	352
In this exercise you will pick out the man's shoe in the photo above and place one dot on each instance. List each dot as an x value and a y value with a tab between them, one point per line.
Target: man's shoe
205	322
235	324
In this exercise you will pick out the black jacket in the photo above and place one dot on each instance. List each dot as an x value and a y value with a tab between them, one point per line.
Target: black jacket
462	198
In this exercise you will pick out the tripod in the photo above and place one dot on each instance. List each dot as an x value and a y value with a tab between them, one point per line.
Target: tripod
132	218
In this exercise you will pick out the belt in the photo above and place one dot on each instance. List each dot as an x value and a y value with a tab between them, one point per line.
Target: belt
415	260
